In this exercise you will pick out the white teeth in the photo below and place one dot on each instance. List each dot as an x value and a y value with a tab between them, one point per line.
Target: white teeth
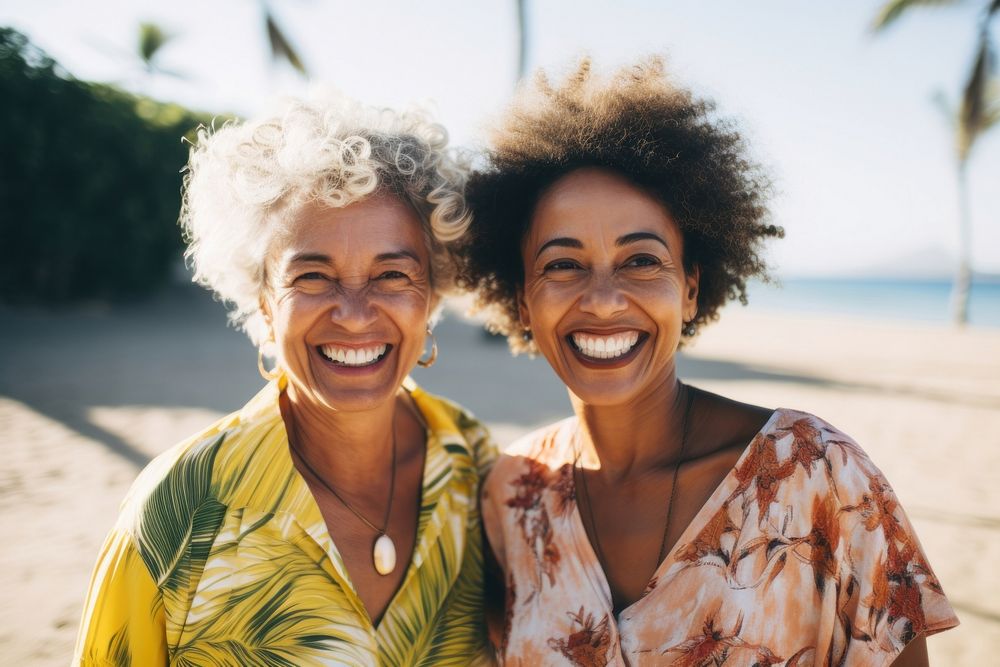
606	347
352	356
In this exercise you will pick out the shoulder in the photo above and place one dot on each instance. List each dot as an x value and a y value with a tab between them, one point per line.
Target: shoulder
859	518
450	420
460	418
545	442
798	459
807	438
545	449
182	486
187	466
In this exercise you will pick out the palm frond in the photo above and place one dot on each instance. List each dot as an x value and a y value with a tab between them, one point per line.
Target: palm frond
165	532
991	106
281	47
152	38
892	10
972	110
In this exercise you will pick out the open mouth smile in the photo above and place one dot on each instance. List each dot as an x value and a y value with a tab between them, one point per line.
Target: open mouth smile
352	357
606	348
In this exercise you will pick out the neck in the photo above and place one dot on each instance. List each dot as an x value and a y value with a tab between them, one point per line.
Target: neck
344	446
637	437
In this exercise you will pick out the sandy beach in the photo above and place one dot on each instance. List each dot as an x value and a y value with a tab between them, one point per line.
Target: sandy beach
88	396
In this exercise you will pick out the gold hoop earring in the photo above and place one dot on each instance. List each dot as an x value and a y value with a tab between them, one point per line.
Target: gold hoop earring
434	352
268	375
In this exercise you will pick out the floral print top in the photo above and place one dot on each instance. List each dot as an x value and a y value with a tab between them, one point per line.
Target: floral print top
801	556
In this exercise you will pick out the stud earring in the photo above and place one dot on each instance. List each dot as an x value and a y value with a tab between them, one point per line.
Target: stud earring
427	363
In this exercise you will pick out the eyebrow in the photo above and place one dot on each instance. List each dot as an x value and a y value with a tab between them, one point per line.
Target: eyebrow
309	257
560	242
317	257
399	254
635	237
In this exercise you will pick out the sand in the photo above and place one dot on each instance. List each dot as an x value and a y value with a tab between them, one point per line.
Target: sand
87	396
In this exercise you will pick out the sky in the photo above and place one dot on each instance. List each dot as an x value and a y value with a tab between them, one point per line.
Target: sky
843	120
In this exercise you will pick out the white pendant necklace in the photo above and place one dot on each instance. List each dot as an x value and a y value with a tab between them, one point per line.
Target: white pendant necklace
383	549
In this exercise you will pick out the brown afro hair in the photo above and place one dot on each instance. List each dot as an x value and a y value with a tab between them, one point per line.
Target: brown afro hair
650	131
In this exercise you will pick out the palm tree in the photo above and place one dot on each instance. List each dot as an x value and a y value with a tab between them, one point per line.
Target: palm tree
978	111
522	38
152	38
281	46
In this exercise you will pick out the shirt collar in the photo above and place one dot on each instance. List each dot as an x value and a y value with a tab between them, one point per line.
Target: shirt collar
254	470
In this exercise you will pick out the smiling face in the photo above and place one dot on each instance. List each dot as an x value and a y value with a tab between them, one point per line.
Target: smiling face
605	293
349	295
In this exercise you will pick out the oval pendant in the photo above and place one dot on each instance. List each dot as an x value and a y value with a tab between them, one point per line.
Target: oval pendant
384	555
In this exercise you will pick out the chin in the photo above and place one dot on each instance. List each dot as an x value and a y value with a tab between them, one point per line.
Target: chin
603	396
337	395
354	400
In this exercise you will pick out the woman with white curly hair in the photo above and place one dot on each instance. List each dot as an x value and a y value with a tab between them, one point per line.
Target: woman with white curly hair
333	519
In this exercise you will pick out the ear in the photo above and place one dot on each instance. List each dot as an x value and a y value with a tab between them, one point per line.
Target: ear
265	311
435	308
435	305
522	309
692	279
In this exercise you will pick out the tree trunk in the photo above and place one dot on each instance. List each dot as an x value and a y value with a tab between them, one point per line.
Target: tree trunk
522	39
963	278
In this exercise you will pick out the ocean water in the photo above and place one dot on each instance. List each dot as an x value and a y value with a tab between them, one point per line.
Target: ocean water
906	300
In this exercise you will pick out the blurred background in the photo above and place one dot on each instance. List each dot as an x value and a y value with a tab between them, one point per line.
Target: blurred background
878	120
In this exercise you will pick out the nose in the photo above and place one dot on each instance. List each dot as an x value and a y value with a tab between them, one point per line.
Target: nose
603	298
352	308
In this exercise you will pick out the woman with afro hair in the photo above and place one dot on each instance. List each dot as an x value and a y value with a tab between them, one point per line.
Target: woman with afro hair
663	524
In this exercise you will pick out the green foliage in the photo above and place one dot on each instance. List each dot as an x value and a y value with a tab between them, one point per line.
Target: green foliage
152	38
891	10
90	180
281	46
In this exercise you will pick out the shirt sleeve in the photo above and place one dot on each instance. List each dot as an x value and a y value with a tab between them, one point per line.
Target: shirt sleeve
492	526
123	618
484	449
889	593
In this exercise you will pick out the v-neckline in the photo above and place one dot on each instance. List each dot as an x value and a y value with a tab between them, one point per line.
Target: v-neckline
594	567
433	450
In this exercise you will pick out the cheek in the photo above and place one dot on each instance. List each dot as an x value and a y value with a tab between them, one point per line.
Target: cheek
545	302
667	293
544	295
293	312
410	309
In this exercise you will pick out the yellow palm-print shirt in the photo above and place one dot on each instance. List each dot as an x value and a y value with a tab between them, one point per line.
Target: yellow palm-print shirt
801	556
221	557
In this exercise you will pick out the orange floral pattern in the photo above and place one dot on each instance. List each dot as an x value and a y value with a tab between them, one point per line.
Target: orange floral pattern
801	556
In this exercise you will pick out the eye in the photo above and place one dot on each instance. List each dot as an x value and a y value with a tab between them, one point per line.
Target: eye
392	275
642	262
561	265
310	276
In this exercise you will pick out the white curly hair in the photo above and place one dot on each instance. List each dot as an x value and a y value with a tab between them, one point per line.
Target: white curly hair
246	181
